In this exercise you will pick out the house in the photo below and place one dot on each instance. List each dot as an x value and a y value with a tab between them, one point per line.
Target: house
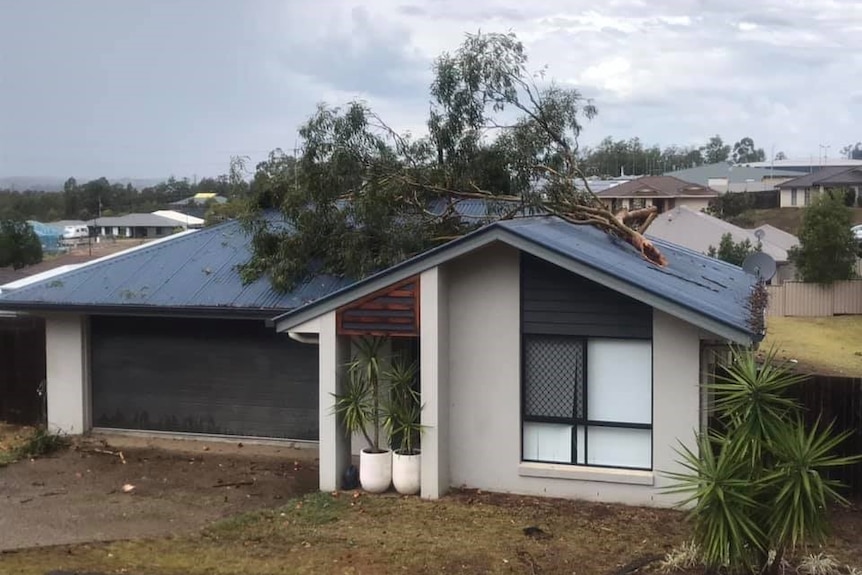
554	359
523	324
800	192
664	192
806	165
201	199
699	232
135	226
727	177
186	221
166	337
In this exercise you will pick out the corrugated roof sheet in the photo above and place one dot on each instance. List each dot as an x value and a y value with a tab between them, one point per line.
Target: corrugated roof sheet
706	285
134	220
196	271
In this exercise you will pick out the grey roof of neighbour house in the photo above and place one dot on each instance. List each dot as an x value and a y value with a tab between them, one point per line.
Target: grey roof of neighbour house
735	174
698	231
832	176
658	187
701	290
778	237
191	273
134	221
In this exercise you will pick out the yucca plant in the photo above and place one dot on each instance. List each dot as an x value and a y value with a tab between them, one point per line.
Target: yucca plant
404	408
758	488
359	405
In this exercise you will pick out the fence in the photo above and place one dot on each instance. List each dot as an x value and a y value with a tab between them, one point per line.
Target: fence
812	300
837	399
22	369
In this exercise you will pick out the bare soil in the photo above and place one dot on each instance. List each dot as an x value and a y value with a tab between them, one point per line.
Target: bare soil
172	487
465	532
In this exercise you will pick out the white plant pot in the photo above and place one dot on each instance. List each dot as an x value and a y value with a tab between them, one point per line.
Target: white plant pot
406	473
375	471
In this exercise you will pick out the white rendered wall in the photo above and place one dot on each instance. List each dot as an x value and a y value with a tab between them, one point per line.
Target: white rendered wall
66	362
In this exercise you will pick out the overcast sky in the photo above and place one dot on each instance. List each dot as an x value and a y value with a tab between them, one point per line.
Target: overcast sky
160	87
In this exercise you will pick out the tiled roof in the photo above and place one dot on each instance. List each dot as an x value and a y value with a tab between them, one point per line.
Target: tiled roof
658	187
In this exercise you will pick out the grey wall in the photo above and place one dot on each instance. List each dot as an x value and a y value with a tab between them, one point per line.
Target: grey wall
484	393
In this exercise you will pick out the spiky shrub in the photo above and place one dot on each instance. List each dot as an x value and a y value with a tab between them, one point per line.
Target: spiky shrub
757	487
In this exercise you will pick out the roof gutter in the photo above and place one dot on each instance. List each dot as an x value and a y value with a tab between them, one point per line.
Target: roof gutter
138	310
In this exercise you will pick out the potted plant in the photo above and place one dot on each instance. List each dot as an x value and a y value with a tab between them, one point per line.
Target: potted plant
402	423
360	409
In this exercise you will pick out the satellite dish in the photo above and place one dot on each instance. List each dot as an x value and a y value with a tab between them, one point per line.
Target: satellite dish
759	233
760	265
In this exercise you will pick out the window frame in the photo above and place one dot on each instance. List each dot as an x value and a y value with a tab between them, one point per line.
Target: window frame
583	422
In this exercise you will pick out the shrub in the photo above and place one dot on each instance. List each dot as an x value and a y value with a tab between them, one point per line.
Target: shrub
758	486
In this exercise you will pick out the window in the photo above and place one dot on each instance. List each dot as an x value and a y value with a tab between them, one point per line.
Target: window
587	401
807	201
637	203
792	196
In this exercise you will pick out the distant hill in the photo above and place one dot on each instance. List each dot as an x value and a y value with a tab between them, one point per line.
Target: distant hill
49	184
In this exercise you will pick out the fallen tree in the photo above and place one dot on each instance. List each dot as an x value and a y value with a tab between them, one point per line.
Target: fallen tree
361	196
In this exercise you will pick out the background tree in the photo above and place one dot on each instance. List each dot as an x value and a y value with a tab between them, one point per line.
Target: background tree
827	250
852	151
361	196
744	151
715	150
780	156
19	244
733	252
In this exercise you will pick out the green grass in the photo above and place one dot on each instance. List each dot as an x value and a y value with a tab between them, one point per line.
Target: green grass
825	345
17	443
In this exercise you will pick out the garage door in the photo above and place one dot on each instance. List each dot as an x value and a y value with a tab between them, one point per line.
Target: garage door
227	377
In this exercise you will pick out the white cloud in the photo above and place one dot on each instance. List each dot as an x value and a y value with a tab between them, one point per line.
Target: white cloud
163	99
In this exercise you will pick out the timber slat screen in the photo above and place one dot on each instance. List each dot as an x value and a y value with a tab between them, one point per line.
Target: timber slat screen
393	311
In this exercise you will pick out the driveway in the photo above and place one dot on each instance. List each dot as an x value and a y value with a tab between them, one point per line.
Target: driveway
171	487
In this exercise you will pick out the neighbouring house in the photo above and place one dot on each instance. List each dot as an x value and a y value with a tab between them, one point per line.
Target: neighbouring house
800	192
198	204
166	337
664	192
699	231
806	165
727	177
186	221
519	328
554	359
135	226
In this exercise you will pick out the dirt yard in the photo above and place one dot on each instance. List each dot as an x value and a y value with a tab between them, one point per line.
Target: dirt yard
171	487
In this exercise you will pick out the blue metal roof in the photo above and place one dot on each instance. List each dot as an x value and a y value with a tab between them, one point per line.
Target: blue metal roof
708	292
700	283
194	272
